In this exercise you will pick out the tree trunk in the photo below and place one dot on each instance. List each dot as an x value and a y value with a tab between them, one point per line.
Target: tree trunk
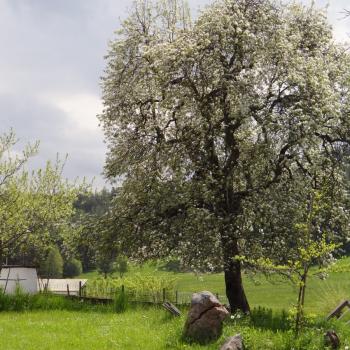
301	302
232	267
234	287
233	278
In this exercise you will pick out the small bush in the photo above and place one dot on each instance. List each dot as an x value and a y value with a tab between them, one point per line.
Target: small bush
72	268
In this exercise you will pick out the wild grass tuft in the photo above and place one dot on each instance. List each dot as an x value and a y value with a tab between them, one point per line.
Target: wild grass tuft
121	301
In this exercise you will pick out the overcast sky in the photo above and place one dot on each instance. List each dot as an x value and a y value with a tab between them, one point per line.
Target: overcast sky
51	62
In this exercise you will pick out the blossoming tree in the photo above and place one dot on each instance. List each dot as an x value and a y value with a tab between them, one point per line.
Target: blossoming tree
202	117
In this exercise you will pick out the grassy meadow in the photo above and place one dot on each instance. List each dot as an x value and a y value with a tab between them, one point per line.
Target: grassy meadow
61	324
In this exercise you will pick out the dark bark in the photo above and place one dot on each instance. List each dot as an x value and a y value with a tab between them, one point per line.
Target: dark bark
301	302
234	285
231	207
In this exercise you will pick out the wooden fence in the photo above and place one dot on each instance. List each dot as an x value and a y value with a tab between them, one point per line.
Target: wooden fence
147	297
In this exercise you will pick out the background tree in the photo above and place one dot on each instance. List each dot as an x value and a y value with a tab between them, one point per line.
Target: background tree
83	242
72	268
53	265
35	208
202	119
121	265
105	264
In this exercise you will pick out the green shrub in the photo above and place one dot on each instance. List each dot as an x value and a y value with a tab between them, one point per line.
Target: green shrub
148	288
72	268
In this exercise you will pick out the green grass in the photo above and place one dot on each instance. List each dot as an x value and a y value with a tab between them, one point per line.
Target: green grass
147	329
60	325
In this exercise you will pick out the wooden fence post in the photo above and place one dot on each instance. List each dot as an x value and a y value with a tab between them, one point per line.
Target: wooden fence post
176	298
163	295
68	290
80	289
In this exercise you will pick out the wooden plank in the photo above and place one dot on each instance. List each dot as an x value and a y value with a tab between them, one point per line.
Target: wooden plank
337	311
343	314
171	308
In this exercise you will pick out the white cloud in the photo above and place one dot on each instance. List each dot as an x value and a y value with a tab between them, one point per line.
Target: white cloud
81	108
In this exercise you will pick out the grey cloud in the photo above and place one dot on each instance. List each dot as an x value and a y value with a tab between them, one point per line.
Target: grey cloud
34	120
57	43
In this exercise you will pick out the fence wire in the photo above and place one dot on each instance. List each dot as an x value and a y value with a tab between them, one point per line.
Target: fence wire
142	296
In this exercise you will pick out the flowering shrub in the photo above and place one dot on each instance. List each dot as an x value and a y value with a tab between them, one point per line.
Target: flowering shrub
138	287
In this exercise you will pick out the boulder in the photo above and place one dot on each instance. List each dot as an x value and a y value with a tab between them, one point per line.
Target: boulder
233	343
205	318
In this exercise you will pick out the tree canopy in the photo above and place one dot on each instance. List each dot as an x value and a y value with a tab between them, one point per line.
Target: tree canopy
204	119
35	207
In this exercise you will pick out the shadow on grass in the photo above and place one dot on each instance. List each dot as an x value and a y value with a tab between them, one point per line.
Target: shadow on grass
264	318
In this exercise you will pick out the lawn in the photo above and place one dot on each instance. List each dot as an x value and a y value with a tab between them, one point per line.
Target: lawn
147	329
49	330
68	325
